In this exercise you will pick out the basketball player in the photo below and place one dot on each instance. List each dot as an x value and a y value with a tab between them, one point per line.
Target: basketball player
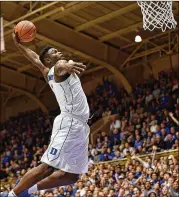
67	154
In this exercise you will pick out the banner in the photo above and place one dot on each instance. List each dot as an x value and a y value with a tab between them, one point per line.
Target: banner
2	37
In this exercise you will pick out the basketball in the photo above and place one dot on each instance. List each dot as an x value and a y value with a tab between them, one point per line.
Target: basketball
25	30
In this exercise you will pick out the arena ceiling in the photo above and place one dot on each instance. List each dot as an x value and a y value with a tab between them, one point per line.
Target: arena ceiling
100	34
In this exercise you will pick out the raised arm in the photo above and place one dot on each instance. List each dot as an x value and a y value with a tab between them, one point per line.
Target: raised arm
63	67
145	164
153	154
30	55
173	118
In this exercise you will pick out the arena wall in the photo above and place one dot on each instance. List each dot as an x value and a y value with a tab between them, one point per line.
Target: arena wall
165	64
19	104
24	103
134	74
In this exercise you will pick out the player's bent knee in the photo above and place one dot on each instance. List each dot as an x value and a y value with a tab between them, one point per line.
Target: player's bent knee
42	168
73	177
69	176
57	175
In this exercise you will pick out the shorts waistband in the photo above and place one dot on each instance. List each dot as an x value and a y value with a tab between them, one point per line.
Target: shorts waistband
74	116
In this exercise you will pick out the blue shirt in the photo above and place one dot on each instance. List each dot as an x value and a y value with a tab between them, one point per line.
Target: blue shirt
103	157
110	155
169	144
5	159
137	144
137	175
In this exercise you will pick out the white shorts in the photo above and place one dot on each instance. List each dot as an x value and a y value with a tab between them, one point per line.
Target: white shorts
68	149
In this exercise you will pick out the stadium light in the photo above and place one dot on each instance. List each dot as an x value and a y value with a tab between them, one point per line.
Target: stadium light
138	38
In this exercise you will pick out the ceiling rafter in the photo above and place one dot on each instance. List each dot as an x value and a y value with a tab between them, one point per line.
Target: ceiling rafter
135	50
107	17
41	16
93	70
166	48
30	14
120	32
24	68
16	62
151	37
162	49
100	28
67	11
32	5
11	92
11	55
24	3
150	51
106	31
71	9
36	19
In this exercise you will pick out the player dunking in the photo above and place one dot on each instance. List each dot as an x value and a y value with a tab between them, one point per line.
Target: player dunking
67	153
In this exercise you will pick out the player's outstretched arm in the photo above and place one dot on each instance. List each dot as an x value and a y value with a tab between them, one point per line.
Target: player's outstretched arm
62	67
30	55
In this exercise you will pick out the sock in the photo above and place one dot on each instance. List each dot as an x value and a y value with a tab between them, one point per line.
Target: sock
12	194
33	189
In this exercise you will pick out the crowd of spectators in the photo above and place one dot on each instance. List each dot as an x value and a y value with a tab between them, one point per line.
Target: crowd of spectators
147	122
147	117
137	178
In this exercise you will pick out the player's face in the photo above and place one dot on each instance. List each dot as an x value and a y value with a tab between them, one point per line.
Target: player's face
55	55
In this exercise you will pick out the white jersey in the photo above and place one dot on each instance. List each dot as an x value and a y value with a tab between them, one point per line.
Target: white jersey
70	95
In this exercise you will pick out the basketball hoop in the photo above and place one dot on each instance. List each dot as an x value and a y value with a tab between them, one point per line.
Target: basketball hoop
157	14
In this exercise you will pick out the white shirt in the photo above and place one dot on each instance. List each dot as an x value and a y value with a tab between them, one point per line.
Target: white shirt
115	125
125	151
70	95
156	93
148	98
153	128
82	192
92	151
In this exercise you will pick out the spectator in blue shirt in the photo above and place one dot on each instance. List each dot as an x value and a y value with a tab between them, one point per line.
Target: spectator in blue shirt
110	154
115	138
169	141
138	142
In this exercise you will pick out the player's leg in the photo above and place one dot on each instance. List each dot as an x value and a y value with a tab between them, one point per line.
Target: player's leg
57	179
32	177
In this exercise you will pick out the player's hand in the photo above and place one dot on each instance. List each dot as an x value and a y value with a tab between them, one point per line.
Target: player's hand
15	37
70	67
76	67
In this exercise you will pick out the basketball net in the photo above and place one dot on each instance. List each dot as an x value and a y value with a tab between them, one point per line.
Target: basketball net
157	14
2	37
